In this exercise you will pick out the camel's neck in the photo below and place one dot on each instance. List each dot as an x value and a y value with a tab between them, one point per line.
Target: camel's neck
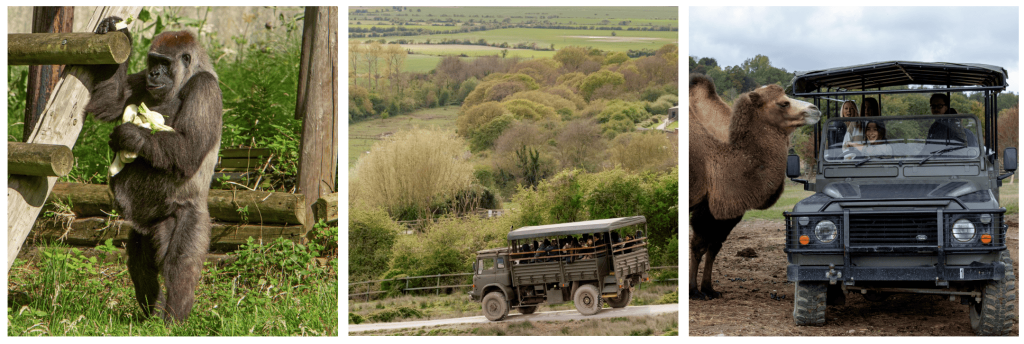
760	146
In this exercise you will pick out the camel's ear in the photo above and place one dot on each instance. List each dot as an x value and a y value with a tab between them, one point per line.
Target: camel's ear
755	99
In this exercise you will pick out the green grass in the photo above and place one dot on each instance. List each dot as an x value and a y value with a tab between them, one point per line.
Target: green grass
358	144
793	194
673	125
564	14
1009	196
561	38
56	291
421	63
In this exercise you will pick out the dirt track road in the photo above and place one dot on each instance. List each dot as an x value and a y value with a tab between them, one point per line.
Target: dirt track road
748	308
540	316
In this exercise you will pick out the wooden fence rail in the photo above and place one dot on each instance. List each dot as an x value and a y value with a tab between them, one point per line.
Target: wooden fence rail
367	292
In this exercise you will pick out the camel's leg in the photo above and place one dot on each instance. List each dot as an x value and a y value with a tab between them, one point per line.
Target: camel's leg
697	249
722	228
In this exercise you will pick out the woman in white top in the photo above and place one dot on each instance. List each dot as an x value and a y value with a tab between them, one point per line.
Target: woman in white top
854	137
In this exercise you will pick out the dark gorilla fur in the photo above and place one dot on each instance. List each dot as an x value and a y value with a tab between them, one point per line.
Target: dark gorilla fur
163	192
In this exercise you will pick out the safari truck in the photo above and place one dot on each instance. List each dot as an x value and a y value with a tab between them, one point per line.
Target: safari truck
526	274
911	206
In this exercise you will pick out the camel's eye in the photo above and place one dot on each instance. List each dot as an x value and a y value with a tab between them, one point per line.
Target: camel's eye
784	104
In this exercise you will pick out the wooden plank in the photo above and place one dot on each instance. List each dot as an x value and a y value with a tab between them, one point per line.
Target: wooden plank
246	163
59	124
39	159
42	79
327	208
64	48
245	152
94	231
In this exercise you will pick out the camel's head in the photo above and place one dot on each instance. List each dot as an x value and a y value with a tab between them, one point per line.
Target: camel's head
781	111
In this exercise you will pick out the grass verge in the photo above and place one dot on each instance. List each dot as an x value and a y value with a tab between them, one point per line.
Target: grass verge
56	291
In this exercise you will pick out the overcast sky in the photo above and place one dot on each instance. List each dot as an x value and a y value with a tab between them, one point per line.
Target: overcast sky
808	38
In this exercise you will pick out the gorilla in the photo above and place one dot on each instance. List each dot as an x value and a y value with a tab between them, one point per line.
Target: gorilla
163	193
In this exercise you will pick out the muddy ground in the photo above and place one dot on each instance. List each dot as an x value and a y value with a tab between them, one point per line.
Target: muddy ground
748	308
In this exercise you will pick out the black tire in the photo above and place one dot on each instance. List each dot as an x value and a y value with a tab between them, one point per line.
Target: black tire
528	309
995	314
809	303
622	300
587	299
494	306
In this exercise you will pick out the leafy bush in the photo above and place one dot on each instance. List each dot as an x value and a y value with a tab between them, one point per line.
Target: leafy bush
643	151
411	172
371	234
276	263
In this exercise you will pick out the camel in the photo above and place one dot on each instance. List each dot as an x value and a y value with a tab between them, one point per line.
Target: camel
737	163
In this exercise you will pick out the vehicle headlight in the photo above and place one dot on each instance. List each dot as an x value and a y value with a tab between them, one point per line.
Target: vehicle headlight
963	230
825	231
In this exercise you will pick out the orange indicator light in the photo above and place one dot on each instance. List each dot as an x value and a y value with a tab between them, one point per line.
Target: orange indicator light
986	238
804	240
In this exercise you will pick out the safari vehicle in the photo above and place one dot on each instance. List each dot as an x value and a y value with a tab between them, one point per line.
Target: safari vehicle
523	277
919	214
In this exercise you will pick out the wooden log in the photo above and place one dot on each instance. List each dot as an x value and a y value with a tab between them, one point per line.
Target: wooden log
80	48
263	207
29	159
60	124
94	231
246	153
327	208
245	163
317	105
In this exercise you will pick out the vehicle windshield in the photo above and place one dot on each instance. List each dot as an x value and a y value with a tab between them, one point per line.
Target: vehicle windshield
919	139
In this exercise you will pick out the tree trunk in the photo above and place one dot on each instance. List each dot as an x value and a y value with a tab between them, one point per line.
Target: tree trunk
60	123
317	105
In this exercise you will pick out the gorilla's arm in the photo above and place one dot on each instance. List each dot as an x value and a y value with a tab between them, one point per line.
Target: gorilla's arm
111	85
196	130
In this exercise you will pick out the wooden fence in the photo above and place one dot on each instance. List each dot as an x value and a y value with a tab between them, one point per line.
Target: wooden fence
367	286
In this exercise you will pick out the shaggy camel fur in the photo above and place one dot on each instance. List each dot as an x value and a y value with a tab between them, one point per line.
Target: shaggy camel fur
737	163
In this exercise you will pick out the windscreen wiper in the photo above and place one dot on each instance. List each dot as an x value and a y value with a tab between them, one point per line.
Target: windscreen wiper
940	152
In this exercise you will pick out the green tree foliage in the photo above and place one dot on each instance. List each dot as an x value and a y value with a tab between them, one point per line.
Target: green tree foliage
643	151
662	105
412	174
599	79
554	98
496	87
616	58
620	117
528	110
571	57
359	104
474	117
371	235
483	137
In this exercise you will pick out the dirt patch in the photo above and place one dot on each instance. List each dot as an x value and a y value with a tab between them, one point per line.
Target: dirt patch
749	308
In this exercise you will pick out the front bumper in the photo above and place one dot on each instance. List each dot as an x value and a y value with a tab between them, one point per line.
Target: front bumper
973	272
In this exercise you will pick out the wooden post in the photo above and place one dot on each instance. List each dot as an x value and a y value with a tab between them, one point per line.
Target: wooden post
41	79
60	123
82	48
39	159
317	105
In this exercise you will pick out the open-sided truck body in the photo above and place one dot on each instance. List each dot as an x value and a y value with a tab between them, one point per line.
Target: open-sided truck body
524	278
920	213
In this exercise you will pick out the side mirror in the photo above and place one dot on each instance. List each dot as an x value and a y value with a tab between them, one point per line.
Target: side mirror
1010	159
474	267
793	166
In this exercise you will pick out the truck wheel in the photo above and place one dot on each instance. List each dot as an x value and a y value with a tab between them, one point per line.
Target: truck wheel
994	315
622	300
587	299
495	307
809	303
528	309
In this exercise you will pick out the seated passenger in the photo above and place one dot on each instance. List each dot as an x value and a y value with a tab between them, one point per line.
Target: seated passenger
946	129
566	249
837	130
876	144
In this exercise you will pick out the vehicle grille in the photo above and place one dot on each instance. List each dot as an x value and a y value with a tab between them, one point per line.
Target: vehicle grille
893	230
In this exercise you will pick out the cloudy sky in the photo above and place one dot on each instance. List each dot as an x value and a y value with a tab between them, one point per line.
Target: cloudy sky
808	38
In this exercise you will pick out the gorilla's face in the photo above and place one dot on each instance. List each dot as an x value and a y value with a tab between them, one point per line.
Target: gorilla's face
160	75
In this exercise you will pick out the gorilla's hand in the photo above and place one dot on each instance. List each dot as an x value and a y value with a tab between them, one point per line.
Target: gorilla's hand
110	25
128	137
